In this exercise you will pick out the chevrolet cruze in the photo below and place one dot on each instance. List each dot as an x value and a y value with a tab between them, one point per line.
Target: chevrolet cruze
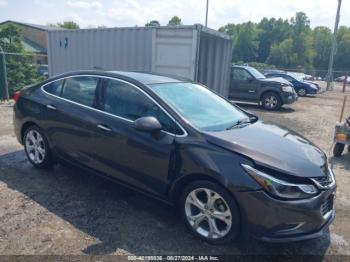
232	175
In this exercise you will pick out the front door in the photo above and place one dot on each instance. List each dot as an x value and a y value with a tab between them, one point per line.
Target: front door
138	158
243	85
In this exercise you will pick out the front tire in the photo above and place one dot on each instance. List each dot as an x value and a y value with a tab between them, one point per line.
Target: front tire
271	101
301	92
37	148
210	212
338	149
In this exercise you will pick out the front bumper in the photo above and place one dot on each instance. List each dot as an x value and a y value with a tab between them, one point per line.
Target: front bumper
312	91
273	220
289	98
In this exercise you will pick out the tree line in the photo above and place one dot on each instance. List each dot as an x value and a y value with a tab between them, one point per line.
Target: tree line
283	43
289	44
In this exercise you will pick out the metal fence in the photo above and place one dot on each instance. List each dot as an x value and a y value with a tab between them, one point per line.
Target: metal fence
6	89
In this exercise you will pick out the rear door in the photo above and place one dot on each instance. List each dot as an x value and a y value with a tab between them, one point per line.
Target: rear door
69	117
137	158
243	85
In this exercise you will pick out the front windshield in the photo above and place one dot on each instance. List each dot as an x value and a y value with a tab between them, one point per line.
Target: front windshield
198	105
296	76
255	73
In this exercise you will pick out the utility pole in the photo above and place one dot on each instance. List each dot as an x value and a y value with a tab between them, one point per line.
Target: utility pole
206	14
334	47
5	73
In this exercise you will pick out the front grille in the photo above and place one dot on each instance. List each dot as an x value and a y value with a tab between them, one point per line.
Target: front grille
327	205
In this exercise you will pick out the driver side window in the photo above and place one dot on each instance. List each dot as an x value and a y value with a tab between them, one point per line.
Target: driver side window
126	101
241	74
289	78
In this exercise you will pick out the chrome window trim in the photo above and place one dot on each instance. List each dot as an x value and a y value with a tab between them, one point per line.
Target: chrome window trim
119	117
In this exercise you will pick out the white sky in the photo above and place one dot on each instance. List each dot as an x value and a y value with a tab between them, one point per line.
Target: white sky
121	13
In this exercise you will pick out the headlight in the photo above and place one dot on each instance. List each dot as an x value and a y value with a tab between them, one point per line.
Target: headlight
313	86
280	188
288	89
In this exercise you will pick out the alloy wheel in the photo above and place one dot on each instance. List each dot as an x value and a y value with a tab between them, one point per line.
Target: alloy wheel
35	147
271	102
302	92
208	213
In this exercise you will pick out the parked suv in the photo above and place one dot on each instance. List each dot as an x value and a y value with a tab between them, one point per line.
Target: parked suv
302	87
249	85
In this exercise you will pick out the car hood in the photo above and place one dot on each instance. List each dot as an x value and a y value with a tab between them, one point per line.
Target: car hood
311	84
274	147
277	80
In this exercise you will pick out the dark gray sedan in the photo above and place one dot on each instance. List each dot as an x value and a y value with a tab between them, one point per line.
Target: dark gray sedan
231	175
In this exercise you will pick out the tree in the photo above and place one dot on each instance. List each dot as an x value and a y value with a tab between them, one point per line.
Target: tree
152	23
244	38
282	54
271	31
322	41
302	40
175	21
20	71
66	25
342	57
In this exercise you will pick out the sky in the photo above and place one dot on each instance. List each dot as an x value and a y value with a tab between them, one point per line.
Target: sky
122	13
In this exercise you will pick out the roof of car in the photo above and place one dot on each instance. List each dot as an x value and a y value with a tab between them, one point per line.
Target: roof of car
241	66
141	77
147	78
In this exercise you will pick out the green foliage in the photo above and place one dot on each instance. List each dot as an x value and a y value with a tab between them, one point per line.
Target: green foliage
20	71
322	41
245	41
342	57
261	66
271	31
246	44
288	44
152	23
282	54
66	25
174	21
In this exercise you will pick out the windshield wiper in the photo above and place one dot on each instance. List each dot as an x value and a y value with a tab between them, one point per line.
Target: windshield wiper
241	122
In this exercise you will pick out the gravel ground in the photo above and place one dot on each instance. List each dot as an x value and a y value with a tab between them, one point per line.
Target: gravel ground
67	212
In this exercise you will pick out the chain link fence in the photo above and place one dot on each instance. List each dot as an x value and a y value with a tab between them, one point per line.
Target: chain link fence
20	69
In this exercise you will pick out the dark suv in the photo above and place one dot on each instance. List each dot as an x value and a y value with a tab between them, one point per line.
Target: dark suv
249	85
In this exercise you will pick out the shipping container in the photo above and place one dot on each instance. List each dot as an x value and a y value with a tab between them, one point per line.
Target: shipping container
194	52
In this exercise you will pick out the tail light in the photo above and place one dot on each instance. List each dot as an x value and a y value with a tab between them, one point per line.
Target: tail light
16	96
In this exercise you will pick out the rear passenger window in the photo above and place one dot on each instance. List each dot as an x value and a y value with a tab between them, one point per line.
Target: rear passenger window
80	89
126	101
54	88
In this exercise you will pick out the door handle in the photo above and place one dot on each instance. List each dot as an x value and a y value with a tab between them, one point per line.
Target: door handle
104	128
51	107
251	91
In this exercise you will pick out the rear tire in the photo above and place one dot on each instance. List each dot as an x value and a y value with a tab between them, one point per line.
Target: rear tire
210	212
338	149
271	101
37	148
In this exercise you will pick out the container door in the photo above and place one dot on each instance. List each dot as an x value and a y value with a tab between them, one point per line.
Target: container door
174	52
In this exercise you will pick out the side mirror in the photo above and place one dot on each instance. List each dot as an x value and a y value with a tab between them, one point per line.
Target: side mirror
148	124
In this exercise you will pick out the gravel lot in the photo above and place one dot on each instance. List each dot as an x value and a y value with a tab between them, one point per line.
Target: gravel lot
67	212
